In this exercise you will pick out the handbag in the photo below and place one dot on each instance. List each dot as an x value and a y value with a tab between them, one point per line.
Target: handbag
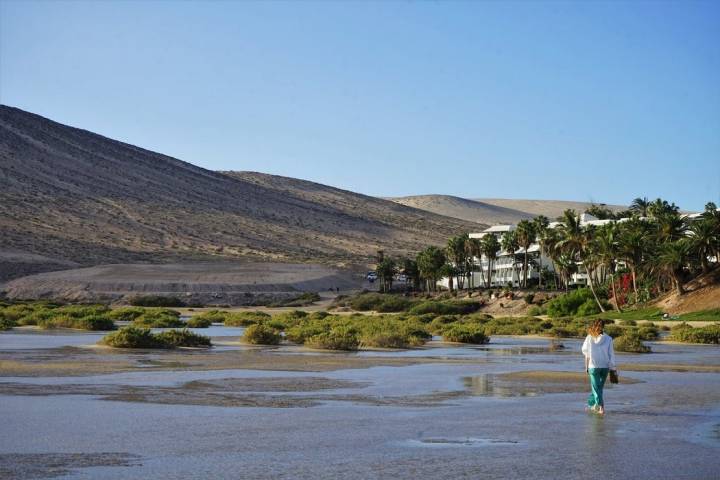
614	378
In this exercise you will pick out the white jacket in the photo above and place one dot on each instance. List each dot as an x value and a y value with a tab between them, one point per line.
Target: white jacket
600	351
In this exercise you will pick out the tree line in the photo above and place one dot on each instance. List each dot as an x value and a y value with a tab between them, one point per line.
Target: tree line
652	245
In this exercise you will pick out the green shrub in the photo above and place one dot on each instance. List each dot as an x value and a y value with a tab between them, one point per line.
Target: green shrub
244	319
445	308
630	342
301	332
183	338
6	323
628	323
441	322
587	308
648	334
339	338
213	316
569	303
380	302
198	322
529	297
465	334
156	301
708	334
389	340
261	335
90	322
536	310
613	330
132	337
159	318
126	314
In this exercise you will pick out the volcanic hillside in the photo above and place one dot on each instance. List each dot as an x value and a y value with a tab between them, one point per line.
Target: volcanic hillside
463	208
71	197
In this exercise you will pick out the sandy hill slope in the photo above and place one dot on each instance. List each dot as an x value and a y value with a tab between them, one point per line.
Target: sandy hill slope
702	293
72	197
463	208
550	208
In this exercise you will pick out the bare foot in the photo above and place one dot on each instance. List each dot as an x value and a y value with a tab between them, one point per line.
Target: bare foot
601	411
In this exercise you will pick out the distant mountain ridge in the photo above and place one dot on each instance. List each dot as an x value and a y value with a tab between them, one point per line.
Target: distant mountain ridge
493	211
463	208
71	197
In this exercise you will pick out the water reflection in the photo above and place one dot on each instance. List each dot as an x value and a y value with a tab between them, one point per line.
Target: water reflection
488	385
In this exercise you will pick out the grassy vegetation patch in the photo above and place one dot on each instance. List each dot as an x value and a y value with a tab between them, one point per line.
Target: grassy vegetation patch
261	335
467	333
630	342
197	322
685	333
134	337
159	318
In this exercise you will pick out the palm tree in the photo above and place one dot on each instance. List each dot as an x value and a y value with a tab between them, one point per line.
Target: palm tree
490	247
640	206
510	245
541	223
712	215
457	255
704	241
606	246
671	261
430	263
632	245
386	271
575	242
525	234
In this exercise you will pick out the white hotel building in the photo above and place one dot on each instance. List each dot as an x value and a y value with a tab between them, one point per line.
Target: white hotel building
505	272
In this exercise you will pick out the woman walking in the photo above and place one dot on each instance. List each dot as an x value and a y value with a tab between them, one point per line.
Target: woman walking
599	361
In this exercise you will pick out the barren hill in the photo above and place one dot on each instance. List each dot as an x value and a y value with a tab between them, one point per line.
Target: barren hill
71	197
463	208
550	208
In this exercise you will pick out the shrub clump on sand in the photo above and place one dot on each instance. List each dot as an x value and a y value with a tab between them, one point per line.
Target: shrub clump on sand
133	337
6	323
474	334
379	302
685	333
579	302
245	319
126	314
445	308
156	301
198	322
183	338
630	342
261	335
159	318
89	322
339	338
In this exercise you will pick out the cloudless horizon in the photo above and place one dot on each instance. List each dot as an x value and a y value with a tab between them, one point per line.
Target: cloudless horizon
587	101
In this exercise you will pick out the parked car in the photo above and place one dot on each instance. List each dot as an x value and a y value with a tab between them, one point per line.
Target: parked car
371	277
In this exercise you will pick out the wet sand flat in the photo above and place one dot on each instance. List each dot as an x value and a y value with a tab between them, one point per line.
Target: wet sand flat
511	409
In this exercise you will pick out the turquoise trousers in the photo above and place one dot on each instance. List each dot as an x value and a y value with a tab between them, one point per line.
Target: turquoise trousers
597	382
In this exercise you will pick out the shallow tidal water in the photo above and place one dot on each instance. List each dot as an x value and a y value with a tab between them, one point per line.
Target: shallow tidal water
497	413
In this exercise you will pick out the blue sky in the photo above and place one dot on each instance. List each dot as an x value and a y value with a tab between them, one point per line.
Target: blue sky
548	100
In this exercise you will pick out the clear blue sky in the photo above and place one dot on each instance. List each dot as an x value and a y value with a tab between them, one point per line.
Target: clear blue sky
556	100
